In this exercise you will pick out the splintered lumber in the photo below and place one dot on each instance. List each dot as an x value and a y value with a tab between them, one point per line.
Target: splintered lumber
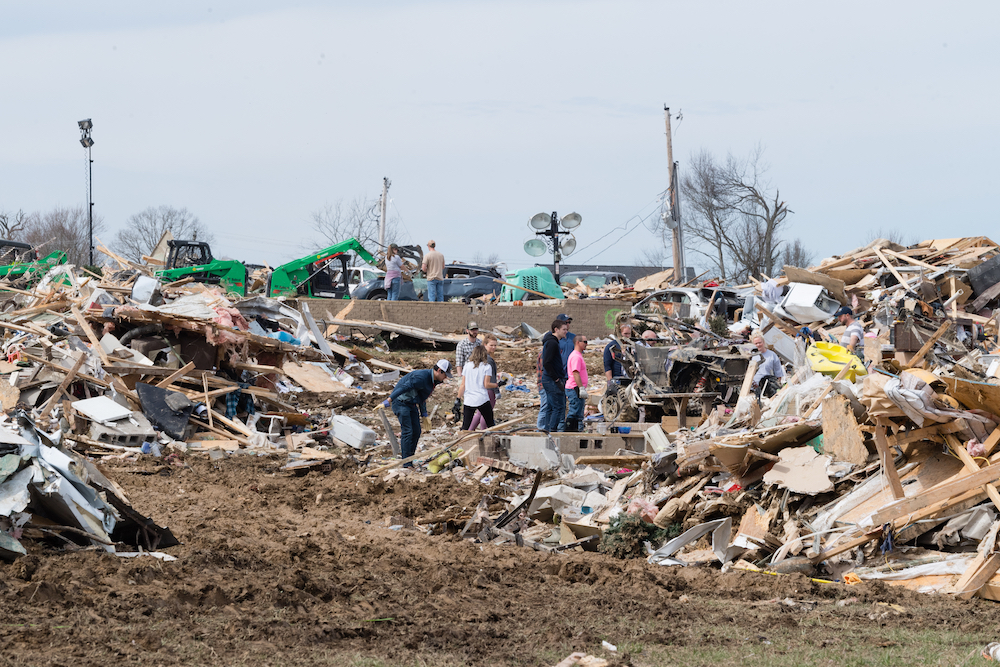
173	377
977	574
777	321
885	261
82	321
437	450
928	344
943	491
67	381
970	463
888	466
219	431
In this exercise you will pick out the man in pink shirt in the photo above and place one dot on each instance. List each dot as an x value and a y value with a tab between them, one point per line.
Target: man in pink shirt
576	385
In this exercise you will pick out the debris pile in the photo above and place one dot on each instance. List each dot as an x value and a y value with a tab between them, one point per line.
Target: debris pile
874	457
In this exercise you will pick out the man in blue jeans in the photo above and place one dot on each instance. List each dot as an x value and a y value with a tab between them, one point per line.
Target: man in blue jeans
409	402
433	268
554	375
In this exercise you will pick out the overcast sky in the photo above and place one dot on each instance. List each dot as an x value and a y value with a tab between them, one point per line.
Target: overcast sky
254	114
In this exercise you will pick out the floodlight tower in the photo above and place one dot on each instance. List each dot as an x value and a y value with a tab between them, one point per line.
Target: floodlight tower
548	226
85	127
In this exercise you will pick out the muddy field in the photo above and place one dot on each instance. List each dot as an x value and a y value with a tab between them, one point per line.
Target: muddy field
278	569
283	570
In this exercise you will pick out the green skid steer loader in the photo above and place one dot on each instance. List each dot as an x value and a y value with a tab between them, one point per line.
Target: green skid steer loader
315	275
194	259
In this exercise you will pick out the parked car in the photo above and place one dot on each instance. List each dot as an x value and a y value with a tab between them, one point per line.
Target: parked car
461	281
593	279
359	275
681	302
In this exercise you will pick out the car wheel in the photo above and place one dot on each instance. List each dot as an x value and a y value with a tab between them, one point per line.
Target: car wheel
378	296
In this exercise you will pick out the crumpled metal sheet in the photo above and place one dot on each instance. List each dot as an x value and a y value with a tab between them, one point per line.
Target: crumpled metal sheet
720	529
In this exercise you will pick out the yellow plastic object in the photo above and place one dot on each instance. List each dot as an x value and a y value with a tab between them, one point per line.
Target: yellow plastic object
438	464
829	359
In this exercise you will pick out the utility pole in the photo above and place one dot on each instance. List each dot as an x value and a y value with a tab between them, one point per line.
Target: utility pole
677	232
385	197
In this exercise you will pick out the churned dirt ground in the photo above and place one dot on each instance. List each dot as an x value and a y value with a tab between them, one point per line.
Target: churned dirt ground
277	569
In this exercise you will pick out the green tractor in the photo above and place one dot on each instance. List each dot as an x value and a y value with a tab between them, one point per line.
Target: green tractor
194	259
22	264
315	275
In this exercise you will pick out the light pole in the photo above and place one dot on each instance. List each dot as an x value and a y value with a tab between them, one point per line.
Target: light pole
548	226
85	128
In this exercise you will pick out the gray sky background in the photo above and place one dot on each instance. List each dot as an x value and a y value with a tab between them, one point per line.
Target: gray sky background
253	114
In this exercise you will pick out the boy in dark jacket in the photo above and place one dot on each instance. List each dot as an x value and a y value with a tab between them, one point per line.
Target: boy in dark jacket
554	375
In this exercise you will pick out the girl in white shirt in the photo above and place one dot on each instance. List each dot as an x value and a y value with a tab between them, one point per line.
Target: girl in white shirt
476	380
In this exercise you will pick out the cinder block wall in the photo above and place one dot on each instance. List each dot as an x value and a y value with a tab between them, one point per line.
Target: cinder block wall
594	318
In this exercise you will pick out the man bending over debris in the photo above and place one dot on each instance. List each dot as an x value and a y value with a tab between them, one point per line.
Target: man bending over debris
409	402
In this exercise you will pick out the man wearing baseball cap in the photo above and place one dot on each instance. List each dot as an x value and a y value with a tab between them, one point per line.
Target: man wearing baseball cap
566	347
433	268
465	347
409	403
855	332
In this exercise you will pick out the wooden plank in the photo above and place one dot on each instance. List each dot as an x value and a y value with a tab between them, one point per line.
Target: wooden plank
389	432
67	381
888	265
907	259
778	322
936	494
980	571
312	378
219	431
173	377
82	321
984	298
970	464
888	466
918	359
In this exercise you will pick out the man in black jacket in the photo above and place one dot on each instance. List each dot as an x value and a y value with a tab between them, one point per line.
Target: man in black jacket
554	374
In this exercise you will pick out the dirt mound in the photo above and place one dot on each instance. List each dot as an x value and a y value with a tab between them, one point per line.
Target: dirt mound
279	568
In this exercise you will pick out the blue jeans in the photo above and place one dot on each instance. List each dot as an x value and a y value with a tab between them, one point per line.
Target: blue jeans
543	410
435	290
409	427
555	396
394	286
575	412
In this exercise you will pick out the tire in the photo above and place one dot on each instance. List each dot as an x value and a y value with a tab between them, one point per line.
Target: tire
617	407
378	296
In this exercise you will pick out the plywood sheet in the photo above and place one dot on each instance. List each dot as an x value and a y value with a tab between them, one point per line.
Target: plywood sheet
313	377
842	437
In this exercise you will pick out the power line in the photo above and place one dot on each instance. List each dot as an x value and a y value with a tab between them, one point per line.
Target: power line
641	221
624	225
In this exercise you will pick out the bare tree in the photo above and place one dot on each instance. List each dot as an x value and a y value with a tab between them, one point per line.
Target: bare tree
144	229
892	235
709	213
795	254
12	225
486	260
357	219
654	257
732	217
756	247
64	229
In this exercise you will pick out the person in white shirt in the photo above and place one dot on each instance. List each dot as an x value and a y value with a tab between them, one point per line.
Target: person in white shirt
476	381
854	335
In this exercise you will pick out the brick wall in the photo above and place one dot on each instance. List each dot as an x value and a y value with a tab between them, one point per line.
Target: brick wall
593	318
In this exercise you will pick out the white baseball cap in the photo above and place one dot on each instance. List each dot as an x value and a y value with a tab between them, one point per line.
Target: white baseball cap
444	366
